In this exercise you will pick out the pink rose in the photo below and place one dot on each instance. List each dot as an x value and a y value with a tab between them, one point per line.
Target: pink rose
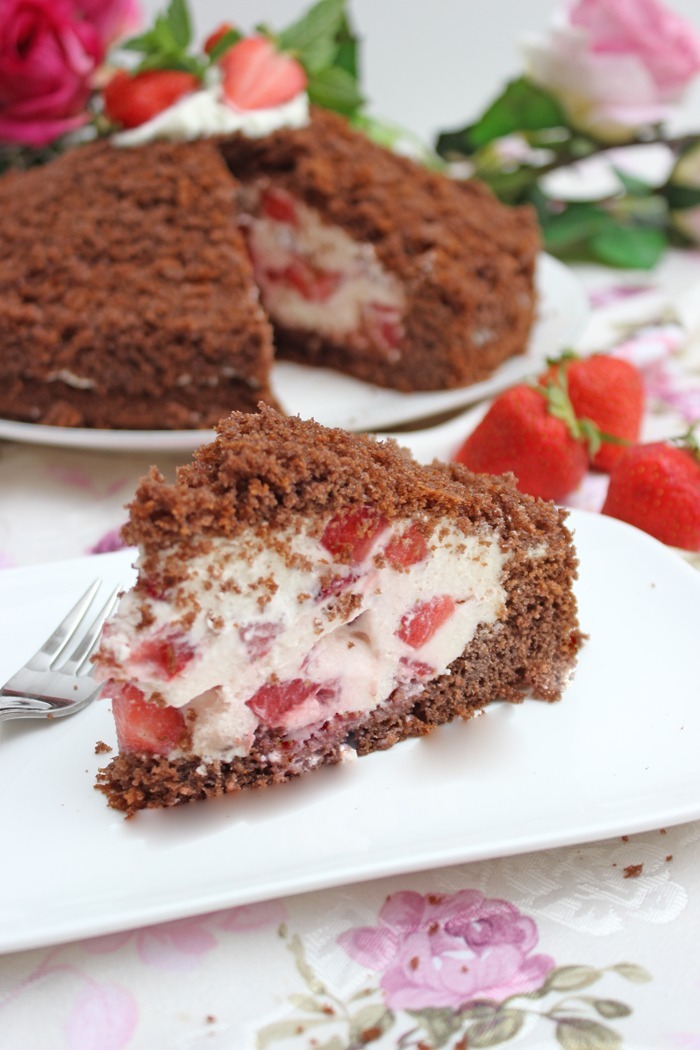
615	65
48	56
113	19
445	951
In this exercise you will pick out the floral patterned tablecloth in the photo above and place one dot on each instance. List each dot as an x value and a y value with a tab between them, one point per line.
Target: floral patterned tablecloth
589	948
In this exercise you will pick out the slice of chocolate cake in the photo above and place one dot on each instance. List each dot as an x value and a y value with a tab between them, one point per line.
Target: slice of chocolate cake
305	595
376	266
126	293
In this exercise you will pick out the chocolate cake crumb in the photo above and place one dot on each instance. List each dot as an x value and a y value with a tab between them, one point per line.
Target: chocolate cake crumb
632	871
101	748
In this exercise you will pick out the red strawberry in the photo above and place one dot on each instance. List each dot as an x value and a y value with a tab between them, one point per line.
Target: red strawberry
313	283
142	726
258	638
132	100
349	535
407	548
257	76
521	434
168	652
657	488
609	392
422	621
217	35
274	701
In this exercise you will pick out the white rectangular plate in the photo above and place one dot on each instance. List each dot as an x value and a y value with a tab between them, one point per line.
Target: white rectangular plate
617	755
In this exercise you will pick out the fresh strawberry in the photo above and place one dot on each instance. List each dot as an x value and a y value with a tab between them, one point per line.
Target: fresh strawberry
421	622
313	283
407	548
534	434
278	205
217	36
657	488
257	76
349	535
132	100
142	726
609	392
274	701
168	653
258	638
383	324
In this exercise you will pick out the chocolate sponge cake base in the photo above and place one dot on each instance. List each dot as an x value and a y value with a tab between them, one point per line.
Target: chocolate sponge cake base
126	292
286	470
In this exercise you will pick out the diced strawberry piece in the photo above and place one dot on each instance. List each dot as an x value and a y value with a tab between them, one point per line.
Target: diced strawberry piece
142	726
408	548
274	701
257	76
350	534
169	653
133	100
313	283
410	670
383	323
156	588
278	205
421	622
258	638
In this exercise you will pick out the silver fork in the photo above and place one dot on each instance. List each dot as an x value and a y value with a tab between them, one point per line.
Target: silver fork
57	680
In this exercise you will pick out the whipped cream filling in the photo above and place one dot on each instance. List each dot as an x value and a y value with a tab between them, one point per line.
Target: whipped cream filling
271	629
206	112
315	277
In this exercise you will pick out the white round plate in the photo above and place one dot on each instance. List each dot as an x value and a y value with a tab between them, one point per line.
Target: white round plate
338	400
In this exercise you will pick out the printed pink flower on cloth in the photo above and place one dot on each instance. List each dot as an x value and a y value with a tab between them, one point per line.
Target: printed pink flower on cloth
447	950
615	65
48	57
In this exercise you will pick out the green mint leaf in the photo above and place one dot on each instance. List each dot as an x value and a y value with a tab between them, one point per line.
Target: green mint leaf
336	89
313	37
523	106
347	53
629	247
178	19
230	37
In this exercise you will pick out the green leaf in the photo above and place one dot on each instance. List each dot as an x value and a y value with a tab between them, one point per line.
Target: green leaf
632	972
347	53
335	89
503	1026
230	37
629	247
632	185
610	1008
370	1023
313	37
523	106
682	196
574	226
178	17
312	982
571	978
440	1024
278	1030
574	1033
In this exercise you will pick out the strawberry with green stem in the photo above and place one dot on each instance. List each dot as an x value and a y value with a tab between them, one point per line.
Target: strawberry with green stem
656	487
608	391
534	433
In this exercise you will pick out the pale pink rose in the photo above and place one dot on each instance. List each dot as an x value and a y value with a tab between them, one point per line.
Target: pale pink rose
48	57
615	65
445	951
113	19
103	1017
